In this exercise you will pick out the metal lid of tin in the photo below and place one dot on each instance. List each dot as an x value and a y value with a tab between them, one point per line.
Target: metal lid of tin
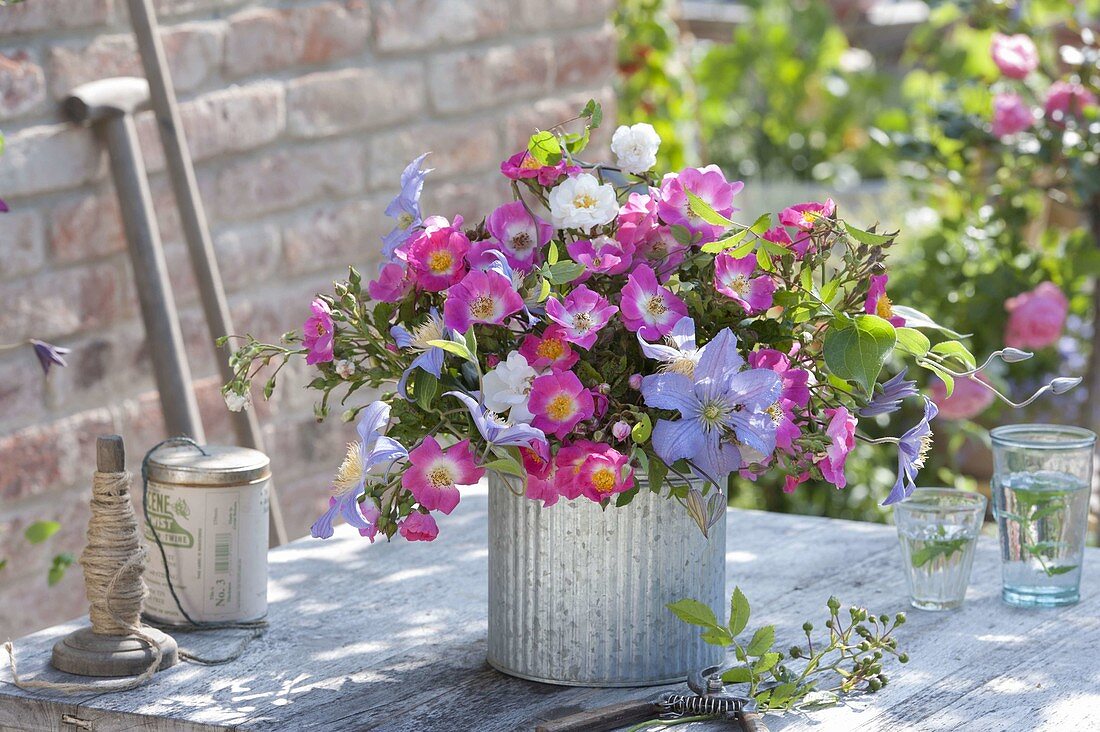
222	465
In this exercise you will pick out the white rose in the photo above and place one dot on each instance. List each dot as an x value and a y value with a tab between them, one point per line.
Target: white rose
345	368
236	402
582	203
508	387
635	147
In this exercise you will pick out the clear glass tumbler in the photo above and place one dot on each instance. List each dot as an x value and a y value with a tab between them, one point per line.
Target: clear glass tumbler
1042	476
938	529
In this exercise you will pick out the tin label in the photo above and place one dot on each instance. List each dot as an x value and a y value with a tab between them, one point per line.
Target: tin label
215	542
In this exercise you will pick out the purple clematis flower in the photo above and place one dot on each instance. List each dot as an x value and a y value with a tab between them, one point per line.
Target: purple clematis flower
723	409
913	447
495	430
373	449
3	206
429	357
405	208
888	397
49	355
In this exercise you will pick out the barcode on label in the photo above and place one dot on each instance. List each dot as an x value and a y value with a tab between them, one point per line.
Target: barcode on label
221	553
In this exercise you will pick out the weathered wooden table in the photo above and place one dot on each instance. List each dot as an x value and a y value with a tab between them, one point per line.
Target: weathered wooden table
392	637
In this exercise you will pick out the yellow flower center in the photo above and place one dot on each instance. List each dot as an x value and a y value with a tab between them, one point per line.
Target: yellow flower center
583	200
656	305
922	453
776	413
582	322
809	217
529	163
521	242
405	220
350	471
560	408
440	261
551	348
440	477
739	284
603	480
683	366
429	330
884	308
321	329
482	307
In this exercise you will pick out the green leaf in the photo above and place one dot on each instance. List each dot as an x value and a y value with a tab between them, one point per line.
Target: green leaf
506	465
471	342
866	237
766	662
916	319
762	641
626	497
762	224
593	111
564	272
857	351
576	142
458	349
937	548
957	351
717	637
737	675
425	389
739	612
912	341
694	612
642	429
657	472
39	531
703	210
1051	571
544	290
729	242
57	568
681	234
545	148
552	253
829	290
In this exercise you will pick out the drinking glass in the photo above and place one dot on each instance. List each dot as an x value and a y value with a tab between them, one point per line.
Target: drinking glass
1042	475
938	529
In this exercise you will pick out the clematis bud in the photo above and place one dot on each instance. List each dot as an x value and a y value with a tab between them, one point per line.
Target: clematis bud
620	430
1015	355
635	381
1063	384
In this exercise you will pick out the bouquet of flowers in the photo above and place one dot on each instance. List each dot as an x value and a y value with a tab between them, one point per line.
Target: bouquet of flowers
607	331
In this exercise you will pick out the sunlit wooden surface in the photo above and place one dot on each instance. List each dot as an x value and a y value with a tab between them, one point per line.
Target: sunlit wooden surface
392	637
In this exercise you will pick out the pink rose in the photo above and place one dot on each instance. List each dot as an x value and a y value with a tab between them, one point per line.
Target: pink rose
1016	56
842	438
1010	115
1036	317
967	401
1067	99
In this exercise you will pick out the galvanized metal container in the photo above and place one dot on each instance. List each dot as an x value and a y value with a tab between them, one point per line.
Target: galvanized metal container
578	595
210	513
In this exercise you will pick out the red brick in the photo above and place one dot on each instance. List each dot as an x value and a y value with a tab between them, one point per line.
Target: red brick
102	367
249	256
86	227
40	15
48	158
473	198
22	84
193	50
54	304
332	102
21	244
479	150
286	178
268	39
22	389
334	237
474	79
416	25
233	120
585	58
51	456
572	14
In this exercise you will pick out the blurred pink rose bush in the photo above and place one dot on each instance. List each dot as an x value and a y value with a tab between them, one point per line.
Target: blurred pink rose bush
1036	318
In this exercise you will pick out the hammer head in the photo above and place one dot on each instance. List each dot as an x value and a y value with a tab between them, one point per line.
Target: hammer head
98	100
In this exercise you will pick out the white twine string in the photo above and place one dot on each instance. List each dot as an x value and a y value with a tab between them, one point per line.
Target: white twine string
113	563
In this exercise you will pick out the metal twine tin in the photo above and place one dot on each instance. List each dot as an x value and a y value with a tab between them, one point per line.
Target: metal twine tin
578	595
210	512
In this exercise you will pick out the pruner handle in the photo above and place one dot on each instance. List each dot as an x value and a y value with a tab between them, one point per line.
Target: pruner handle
752	722
604	718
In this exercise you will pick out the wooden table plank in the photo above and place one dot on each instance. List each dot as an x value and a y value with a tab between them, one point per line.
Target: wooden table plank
392	637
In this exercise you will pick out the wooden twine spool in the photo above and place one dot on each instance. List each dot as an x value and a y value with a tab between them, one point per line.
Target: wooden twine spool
116	644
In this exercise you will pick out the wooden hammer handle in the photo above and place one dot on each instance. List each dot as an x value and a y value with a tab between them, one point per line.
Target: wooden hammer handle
604	718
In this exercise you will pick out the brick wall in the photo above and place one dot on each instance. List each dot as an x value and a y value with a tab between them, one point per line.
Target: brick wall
300	116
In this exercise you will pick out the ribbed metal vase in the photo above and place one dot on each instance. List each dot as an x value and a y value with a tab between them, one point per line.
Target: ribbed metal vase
578	595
